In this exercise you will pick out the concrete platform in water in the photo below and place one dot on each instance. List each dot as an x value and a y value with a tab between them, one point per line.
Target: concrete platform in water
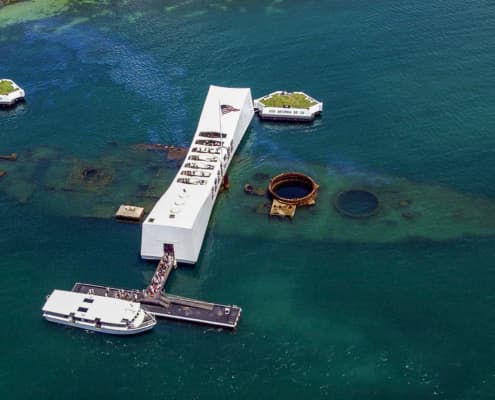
130	213
170	306
288	106
10	93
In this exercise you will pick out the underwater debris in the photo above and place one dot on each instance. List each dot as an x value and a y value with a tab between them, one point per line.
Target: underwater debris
93	176
280	209
357	203
173	152
260	192
152	147
176	153
263	208
261	176
408	215
248	188
89	173
12	157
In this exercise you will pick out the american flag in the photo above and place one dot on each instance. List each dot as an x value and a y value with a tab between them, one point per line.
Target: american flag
226	109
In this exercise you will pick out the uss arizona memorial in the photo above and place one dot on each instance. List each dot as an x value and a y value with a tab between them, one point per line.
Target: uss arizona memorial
181	215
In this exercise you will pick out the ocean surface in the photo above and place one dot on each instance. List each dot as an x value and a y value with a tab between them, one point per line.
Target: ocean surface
384	308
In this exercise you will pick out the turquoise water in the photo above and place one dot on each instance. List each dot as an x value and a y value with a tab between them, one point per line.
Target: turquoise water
408	93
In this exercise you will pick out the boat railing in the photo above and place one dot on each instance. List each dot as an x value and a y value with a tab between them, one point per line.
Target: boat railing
148	320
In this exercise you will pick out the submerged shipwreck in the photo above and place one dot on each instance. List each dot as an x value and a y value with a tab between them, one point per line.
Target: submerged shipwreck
366	209
53	181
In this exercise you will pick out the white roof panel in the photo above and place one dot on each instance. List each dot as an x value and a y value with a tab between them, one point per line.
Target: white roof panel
185	200
107	309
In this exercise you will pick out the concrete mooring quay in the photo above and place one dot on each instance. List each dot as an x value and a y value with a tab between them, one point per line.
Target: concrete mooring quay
154	299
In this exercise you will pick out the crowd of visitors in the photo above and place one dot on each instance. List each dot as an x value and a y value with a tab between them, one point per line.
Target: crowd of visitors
160	276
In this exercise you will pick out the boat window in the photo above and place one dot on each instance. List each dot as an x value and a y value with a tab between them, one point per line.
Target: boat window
57	314
86	300
116	325
82	309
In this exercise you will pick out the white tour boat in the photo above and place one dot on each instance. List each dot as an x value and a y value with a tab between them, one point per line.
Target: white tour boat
97	313
181	215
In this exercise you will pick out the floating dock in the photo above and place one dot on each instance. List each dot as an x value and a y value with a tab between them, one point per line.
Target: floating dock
170	306
130	213
156	301
181	215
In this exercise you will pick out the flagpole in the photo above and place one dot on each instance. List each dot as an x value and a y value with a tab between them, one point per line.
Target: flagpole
220	116
221	135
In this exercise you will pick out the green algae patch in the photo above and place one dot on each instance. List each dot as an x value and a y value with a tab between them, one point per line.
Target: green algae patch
293	100
6	87
26	11
31	11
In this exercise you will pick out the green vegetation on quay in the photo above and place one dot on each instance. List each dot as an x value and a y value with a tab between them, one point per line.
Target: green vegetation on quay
6	87
293	100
